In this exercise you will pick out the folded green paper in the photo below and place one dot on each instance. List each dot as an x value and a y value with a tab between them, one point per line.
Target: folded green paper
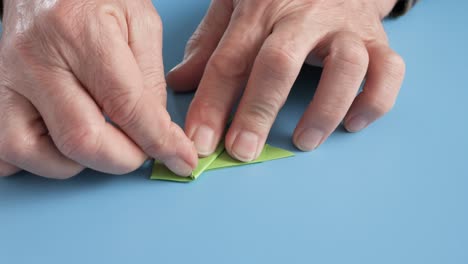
161	172
219	159
268	153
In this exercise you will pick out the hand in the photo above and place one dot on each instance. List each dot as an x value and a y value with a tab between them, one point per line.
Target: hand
261	45
63	64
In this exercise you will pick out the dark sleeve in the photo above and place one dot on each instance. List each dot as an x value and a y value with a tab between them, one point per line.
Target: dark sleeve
1	9
401	7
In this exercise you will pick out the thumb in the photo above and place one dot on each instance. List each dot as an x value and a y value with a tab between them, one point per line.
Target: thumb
129	85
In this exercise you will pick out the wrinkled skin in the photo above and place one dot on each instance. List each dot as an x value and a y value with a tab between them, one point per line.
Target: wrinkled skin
261	46
64	63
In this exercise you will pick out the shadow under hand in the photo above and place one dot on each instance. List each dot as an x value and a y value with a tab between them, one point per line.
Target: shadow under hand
26	186
179	25
299	98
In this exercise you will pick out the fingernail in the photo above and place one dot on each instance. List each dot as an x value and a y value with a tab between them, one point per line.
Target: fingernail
179	167
245	146
357	123
309	139
204	140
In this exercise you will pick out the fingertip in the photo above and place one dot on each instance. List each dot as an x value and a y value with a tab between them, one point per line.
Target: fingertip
185	164
185	159
204	140
243	145
193	156
308	139
175	150
179	166
356	123
206	121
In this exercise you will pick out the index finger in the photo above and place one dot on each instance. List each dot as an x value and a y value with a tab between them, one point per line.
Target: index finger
129	85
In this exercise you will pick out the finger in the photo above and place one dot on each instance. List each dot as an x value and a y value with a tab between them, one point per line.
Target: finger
224	79
187	75
78	127
25	142
274	72
345	64
383	82
116	82
7	169
146	45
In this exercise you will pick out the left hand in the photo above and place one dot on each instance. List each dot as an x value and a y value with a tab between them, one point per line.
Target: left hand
261	46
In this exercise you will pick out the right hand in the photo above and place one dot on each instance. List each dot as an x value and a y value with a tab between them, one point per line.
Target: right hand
63	64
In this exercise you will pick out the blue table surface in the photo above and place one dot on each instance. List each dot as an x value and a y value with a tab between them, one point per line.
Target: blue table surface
395	193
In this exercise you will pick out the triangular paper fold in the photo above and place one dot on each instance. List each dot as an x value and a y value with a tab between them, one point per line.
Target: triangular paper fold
218	160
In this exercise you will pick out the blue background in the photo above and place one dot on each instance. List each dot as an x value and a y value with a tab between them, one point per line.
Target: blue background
395	193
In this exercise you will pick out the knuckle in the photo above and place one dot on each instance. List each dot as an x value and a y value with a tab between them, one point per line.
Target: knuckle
154	21
245	12
41	40
154	80
18	146
106	8
395	65
230	64
150	22
331	114
209	110
349	51
157	149
205	106
381	107
106	20
278	61
262	113
109	20
81	142
196	40
122	108
161	147
66	17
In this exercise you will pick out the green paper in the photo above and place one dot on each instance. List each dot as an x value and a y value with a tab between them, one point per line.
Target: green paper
161	172
204	163
219	159
268	153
